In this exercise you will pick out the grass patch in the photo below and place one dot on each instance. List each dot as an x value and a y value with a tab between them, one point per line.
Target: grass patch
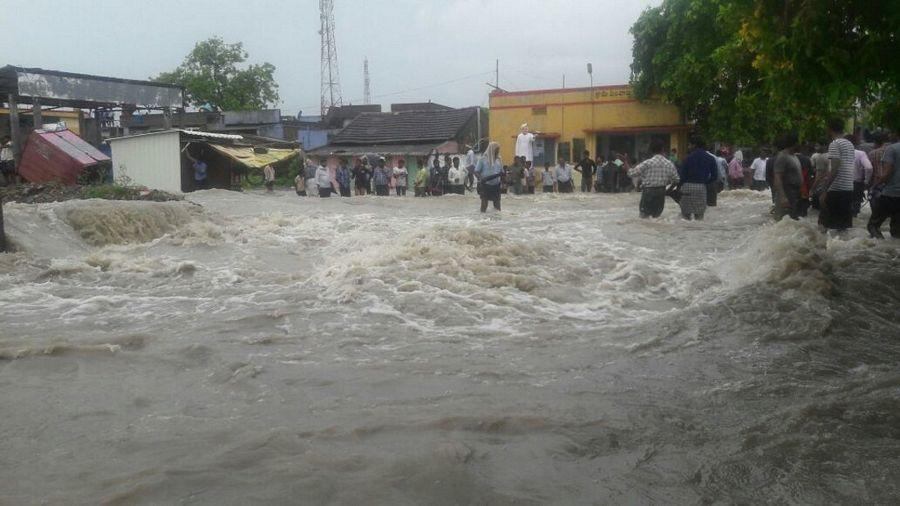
109	192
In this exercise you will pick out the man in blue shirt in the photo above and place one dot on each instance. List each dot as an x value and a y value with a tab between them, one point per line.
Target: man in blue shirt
489	170
696	173
382	178
342	176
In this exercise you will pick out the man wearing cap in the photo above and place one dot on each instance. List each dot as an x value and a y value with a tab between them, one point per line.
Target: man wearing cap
525	144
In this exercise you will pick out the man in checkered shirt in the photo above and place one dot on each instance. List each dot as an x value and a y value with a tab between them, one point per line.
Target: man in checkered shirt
655	174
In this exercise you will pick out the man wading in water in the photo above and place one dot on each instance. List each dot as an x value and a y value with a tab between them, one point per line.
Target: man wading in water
269	174
697	172
488	171
656	174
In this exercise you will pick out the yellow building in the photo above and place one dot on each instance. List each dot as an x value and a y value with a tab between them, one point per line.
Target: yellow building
71	117
566	122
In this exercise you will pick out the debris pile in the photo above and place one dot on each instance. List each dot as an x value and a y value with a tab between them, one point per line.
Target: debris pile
55	192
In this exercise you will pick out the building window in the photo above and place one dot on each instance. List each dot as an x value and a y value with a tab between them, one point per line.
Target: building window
543	151
539	111
577	148
621	144
565	151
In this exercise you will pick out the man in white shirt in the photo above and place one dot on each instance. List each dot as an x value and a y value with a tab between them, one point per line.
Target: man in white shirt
525	144
312	166
563	177
548	179
269	174
323	181
455	177
401	177
758	168
471	160
862	177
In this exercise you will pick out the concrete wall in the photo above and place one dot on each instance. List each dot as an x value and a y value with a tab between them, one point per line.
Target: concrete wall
273	131
581	113
259	117
312	139
152	160
202	120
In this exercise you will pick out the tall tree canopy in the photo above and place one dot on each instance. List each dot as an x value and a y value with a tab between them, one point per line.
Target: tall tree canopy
745	69
210	75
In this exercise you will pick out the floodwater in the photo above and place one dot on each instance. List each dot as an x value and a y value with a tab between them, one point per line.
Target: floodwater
270	349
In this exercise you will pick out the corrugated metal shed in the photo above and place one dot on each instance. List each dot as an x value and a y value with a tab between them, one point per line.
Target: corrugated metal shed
212	135
155	159
57	156
152	160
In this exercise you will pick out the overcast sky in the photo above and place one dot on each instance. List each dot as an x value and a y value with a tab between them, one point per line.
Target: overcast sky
415	48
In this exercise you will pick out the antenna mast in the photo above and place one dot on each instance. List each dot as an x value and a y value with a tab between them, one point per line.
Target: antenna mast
368	84
331	79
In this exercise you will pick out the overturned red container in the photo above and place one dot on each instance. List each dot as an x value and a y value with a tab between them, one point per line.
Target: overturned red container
58	156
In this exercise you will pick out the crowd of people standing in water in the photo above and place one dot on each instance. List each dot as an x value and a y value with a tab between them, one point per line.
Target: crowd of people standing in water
376	178
837	178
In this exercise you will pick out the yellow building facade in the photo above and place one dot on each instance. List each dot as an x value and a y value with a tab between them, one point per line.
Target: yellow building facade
72	118
566	122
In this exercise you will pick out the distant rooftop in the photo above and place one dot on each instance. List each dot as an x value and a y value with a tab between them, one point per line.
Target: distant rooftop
419	106
405	127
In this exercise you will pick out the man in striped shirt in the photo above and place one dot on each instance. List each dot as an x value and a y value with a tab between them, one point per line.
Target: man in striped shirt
837	208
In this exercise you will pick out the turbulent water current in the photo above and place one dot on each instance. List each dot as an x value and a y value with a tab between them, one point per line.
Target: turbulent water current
270	349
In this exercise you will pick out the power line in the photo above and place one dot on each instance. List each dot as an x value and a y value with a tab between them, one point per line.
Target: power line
444	83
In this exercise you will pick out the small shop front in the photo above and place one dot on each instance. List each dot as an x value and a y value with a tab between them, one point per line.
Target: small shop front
636	141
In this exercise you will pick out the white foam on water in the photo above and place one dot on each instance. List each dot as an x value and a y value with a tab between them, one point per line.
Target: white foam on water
329	345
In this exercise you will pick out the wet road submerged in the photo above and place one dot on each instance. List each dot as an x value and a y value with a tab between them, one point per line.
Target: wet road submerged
271	349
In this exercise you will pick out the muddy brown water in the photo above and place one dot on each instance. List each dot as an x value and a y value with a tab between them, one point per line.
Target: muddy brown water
269	349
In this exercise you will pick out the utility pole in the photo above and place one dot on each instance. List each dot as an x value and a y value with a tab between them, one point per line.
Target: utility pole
331	80
562	127
368	91
36	113
15	132
2	232
590	69
497	75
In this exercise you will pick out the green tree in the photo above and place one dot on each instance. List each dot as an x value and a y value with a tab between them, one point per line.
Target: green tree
210	74
745	69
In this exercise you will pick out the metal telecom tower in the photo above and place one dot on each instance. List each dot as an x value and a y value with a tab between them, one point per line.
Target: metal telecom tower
368	92
331	79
